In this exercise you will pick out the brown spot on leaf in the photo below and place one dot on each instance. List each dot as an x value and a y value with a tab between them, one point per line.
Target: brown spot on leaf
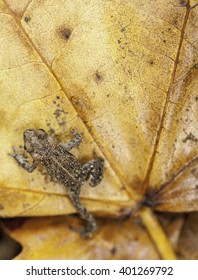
27	19
65	33
183	3
175	22
58	112
98	77
113	250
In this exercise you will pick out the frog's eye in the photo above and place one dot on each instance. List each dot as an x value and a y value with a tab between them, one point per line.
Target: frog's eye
29	133
41	134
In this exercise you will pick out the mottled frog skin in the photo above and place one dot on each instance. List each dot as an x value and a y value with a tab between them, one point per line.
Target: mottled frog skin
62	167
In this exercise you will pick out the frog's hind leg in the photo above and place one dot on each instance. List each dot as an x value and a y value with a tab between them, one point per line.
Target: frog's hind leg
91	227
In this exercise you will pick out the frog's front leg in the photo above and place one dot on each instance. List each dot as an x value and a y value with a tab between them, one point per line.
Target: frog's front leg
75	142
93	170
74	193
23	162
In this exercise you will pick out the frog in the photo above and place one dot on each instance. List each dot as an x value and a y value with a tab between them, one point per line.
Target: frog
62	167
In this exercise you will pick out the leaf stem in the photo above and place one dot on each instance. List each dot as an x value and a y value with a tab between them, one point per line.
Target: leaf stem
157	234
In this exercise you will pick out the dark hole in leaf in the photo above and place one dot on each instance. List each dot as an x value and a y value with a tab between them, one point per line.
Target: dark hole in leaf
9	248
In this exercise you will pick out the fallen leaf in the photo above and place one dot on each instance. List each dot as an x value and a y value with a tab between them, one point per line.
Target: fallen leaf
124	74
50	238
188	242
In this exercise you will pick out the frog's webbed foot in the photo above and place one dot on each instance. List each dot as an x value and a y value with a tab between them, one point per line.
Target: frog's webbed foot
84	231
93	170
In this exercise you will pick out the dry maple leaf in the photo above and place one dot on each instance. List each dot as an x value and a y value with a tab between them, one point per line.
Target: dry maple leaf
124	74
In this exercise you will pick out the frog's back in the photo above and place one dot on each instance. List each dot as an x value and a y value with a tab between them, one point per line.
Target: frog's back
62	166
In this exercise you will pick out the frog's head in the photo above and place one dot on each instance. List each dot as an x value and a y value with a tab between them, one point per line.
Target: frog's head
36	141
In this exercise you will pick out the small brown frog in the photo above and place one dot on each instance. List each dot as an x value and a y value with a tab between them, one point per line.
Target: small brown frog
62	167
